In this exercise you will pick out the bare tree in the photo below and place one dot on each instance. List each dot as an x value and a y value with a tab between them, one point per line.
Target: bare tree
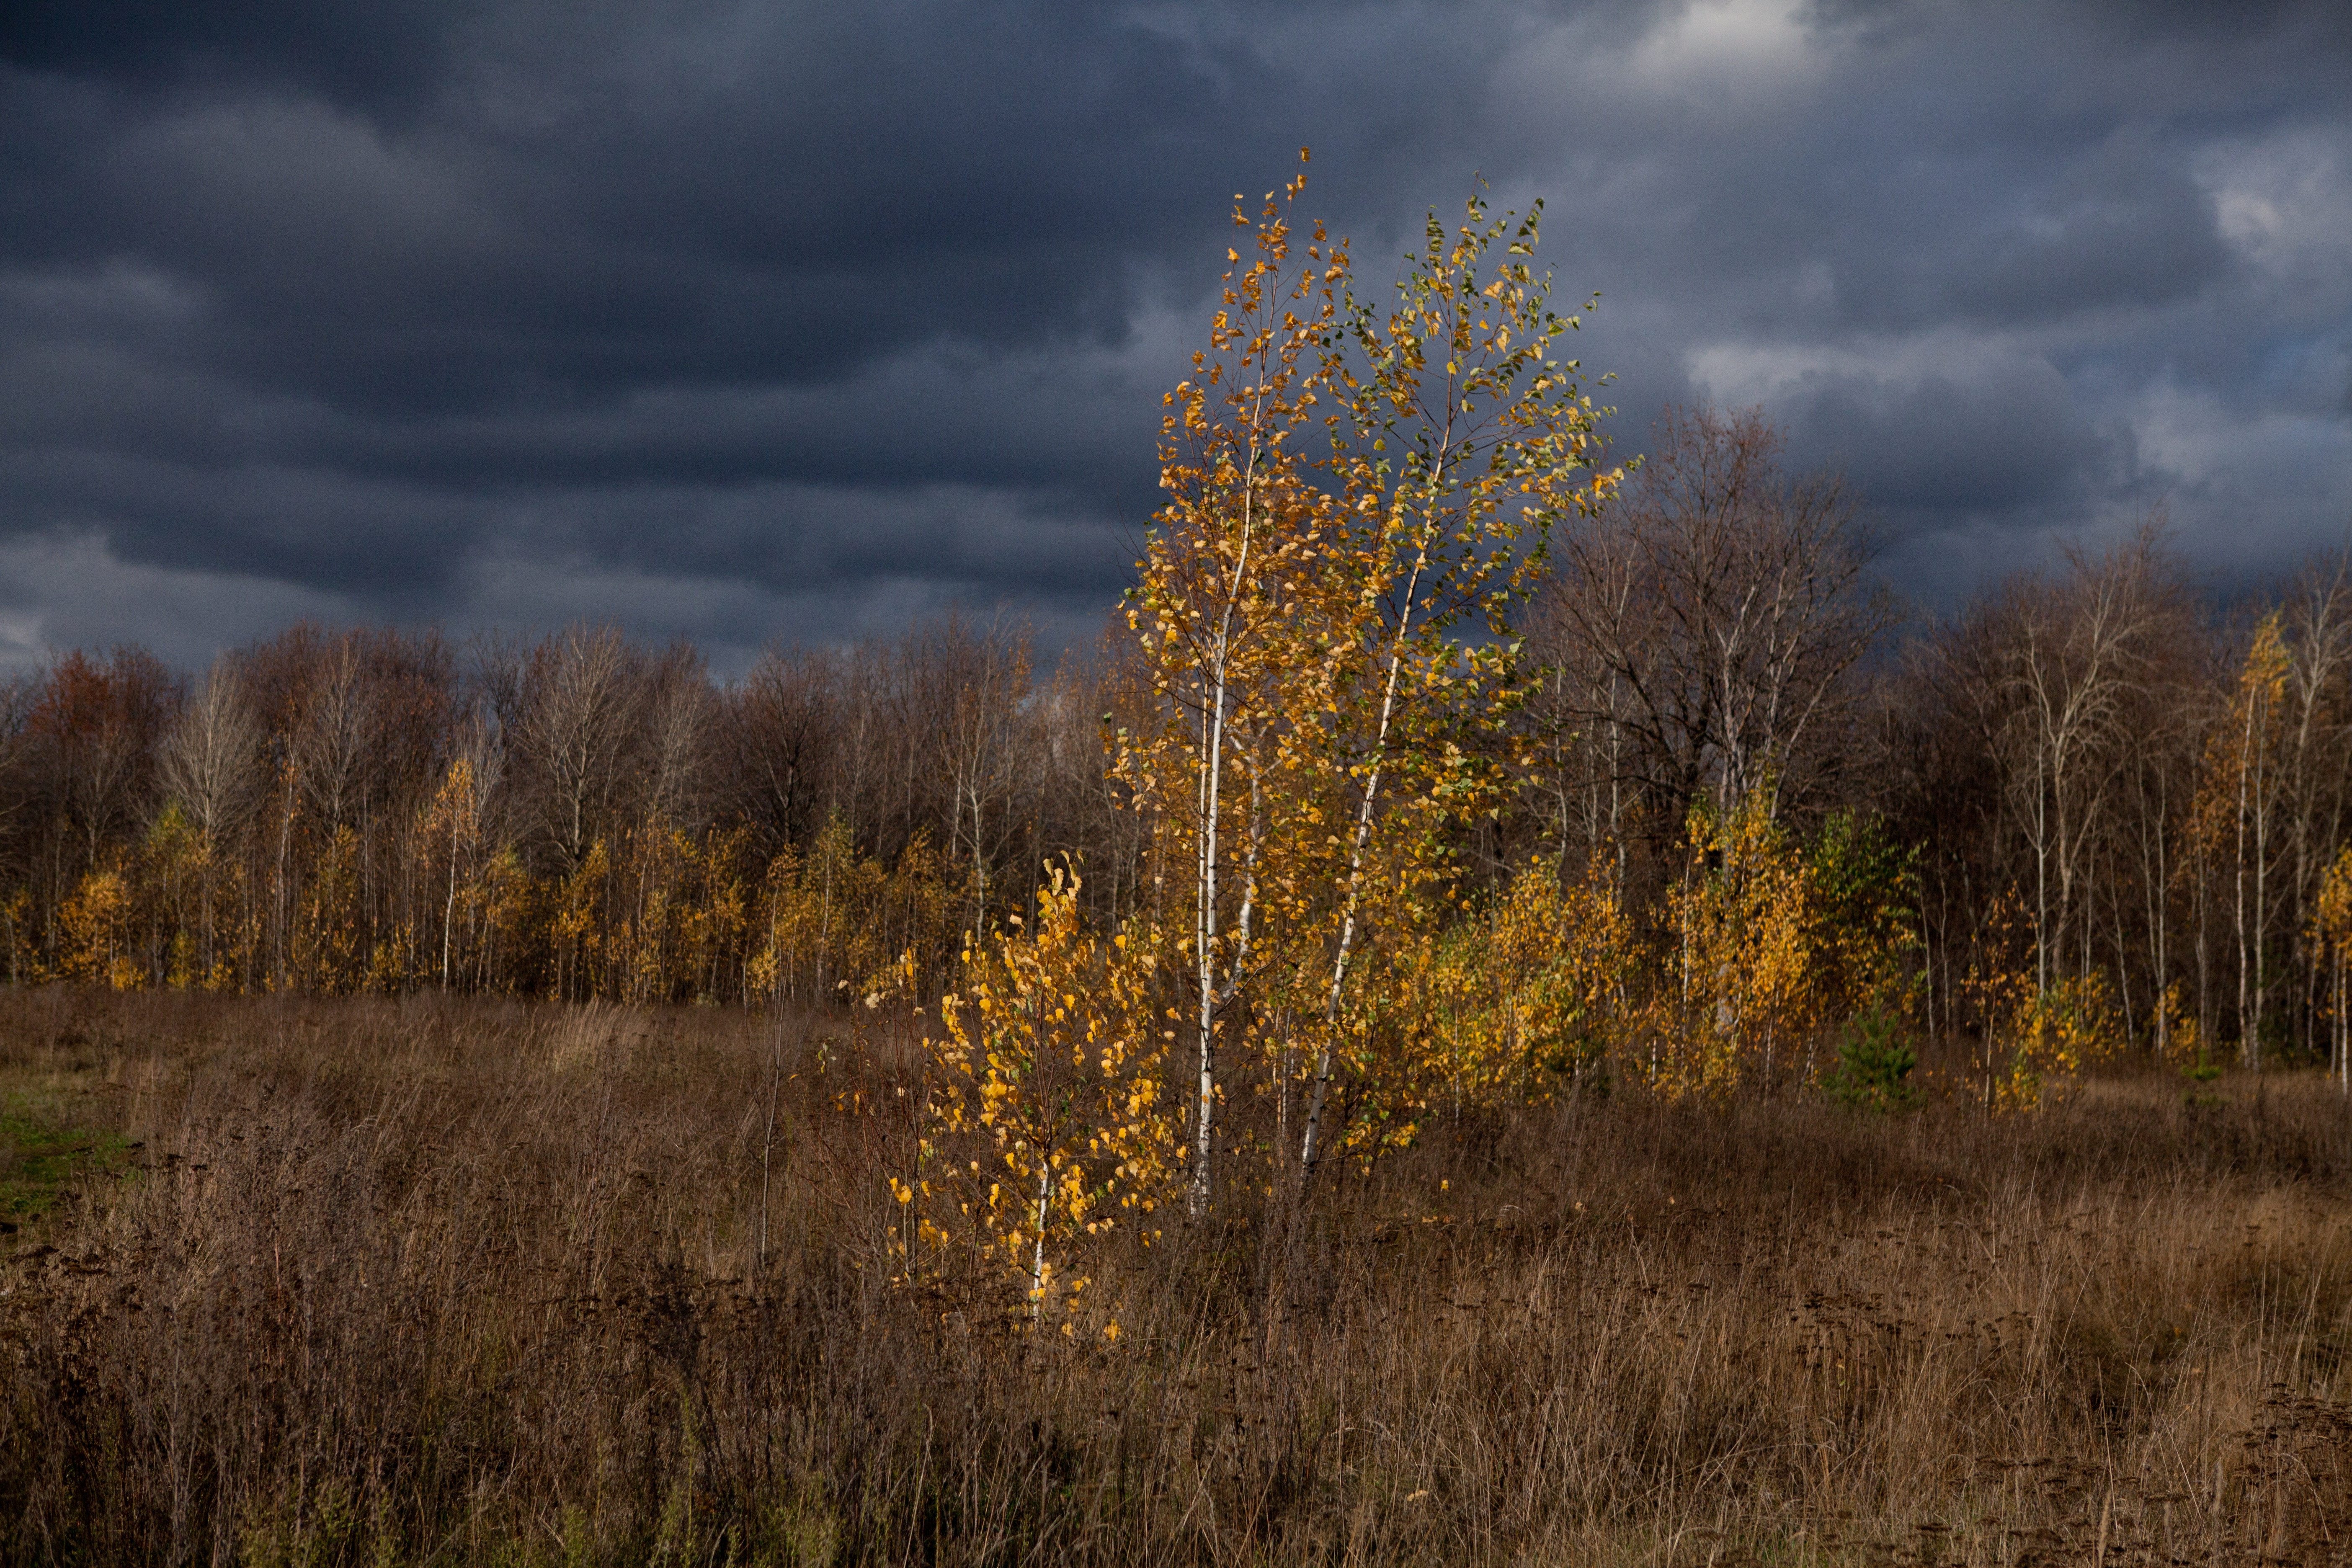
2318	623
1701	632
679	704
2068	655
583	698
330	738
777	740
212	764
971	684
18	789
94	726
212	759
2157	779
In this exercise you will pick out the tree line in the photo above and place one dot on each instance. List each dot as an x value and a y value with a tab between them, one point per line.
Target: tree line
2102	783
579	816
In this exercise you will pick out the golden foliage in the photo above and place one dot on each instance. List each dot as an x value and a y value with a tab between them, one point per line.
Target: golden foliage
1528	988
837	924
656	913
1045	1119
1743	990
2068	1026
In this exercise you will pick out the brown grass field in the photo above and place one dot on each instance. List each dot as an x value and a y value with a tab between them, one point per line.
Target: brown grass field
427	1281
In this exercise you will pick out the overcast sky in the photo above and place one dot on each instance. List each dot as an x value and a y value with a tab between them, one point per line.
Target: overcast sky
750	323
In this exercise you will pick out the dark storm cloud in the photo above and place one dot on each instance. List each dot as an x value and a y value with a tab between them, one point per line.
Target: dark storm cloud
2124	227
372	54
1941	444
755	320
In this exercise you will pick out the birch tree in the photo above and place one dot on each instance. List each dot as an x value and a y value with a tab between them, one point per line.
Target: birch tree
2069	661
2332	931
582	706
1464	438
2237	808
1050	1075
1222	612
2318	623
212	764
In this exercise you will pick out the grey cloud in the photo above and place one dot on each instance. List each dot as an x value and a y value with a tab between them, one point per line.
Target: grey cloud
809	316
380	55
2004	440
2125	226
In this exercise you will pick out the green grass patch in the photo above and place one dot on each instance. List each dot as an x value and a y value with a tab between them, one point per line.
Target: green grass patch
45	1152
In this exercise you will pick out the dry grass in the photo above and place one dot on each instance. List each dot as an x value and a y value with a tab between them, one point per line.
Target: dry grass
459	1282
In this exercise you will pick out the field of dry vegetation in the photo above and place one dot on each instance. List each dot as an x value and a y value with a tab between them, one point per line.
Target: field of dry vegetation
465	1280
1512	1009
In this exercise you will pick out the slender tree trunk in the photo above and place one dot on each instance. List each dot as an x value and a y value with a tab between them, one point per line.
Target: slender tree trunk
1037	1255
2237	906
1201	1191
2041	933
1310	1142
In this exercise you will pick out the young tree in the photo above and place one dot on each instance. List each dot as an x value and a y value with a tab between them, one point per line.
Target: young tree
1051	1073
1748	977
1461	442
1224	614
2239	806
1517	998
456	830
2332	923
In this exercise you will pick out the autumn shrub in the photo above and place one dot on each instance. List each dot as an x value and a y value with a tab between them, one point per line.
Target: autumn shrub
1044	1127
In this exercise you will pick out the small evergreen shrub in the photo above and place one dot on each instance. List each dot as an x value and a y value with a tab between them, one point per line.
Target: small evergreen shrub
1875	1060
